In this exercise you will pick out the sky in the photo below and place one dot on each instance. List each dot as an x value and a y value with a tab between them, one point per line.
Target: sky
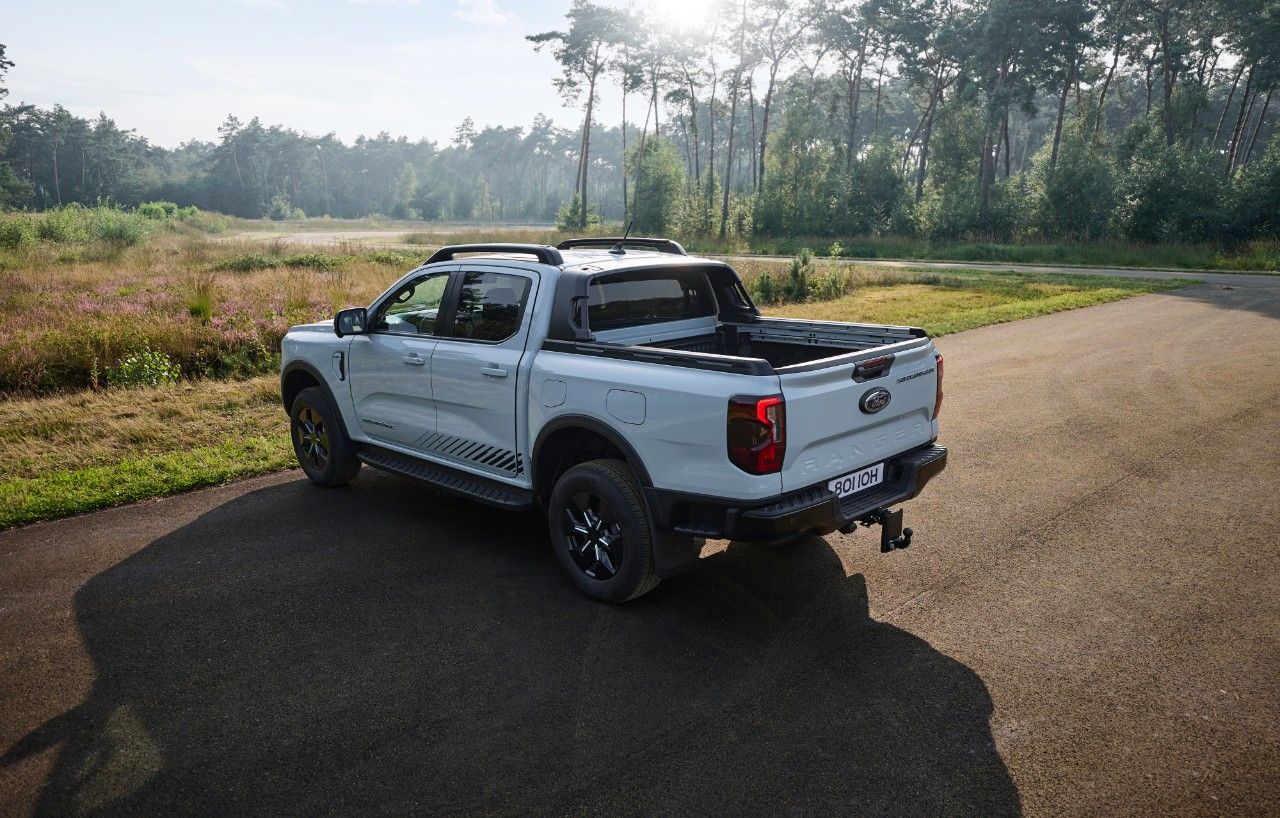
174	70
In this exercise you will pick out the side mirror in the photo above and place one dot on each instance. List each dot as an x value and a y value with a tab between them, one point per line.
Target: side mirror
350	322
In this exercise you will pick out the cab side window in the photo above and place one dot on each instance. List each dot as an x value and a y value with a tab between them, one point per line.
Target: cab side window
489	306
414	309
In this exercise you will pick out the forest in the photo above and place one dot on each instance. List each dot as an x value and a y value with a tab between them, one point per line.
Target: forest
1142	121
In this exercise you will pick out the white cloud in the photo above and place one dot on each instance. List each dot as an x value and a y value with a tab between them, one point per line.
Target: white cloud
482	12
386	2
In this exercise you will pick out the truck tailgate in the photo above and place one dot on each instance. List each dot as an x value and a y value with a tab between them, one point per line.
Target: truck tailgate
828	434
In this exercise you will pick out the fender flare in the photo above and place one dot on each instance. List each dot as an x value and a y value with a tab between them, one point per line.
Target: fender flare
307	367
598	427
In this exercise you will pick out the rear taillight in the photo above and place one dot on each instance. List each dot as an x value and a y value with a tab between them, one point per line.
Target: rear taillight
937	401
757	433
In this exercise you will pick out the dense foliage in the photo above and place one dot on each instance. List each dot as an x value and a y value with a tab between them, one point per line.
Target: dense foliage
1067	120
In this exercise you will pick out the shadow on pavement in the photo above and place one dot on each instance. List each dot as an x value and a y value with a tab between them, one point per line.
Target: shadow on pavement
380	649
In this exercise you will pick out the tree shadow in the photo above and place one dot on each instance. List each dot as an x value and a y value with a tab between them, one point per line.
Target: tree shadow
383	650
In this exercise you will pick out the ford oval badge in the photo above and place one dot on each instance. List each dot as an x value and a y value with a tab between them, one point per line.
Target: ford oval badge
875	400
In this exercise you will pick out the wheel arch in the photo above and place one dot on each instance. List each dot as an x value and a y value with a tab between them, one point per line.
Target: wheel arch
571	439
296	377
300	375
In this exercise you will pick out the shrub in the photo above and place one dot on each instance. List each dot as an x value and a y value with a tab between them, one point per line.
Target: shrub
247	263
146	367
117	228
323	262
394	258
16	233
764	290
64	225
831	285
158	211
796	286
280	209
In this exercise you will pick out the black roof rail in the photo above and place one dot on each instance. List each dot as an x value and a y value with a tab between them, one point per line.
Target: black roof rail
619	242
543	252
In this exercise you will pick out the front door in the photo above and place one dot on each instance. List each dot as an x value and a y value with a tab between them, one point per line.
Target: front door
391	365
475	367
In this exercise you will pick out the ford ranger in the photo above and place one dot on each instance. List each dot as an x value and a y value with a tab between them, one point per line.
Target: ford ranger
632	392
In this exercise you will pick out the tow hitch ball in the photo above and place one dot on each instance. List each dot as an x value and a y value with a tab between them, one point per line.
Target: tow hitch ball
892	534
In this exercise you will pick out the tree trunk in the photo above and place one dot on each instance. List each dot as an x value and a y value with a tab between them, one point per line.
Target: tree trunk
855	97
1244	126
984	173
922	167
1167	80
1241	118
751	97
586	153
684	134
1004	137
693	125
1102	96
624	148
1227	106
728	159
653	78
644	135
57	183
1258	127
1151	83
875	131
764	123
711	147
1062	110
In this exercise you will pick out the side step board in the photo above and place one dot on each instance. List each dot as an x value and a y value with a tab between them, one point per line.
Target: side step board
463	484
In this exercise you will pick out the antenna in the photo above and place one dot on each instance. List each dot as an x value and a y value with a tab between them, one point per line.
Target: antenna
617	249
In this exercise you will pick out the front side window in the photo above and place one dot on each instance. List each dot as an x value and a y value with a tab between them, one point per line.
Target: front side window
648	297
488	307
414	308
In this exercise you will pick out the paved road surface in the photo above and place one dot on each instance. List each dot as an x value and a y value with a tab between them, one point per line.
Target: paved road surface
1087	624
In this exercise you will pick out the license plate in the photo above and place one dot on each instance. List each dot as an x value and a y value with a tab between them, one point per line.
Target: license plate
857	481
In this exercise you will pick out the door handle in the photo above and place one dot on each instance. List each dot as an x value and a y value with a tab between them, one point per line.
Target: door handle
414	360
494	371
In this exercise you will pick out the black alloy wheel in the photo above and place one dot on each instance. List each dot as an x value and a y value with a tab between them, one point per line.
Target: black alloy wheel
320	441
594	535
312	437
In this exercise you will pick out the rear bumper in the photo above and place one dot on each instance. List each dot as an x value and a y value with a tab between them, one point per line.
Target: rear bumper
813	510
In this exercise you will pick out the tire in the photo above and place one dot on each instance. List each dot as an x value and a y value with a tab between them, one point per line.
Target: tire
320	441
601	531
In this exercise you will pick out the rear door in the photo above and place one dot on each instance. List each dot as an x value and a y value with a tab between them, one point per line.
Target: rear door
475	368
838	422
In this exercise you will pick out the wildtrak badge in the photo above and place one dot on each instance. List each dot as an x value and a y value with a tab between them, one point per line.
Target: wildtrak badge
919	374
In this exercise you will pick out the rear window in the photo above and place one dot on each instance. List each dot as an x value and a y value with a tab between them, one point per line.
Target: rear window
633	299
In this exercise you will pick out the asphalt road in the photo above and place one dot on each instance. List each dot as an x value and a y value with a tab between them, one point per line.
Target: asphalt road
1088	623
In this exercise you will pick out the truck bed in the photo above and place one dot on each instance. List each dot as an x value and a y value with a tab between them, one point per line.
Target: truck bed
782	343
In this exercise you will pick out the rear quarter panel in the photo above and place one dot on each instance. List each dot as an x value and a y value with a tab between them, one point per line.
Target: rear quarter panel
681	439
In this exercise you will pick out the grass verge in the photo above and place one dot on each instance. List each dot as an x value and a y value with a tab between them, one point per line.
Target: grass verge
961	299
70	453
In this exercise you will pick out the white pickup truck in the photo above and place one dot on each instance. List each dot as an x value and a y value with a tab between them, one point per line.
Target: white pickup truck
631	391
